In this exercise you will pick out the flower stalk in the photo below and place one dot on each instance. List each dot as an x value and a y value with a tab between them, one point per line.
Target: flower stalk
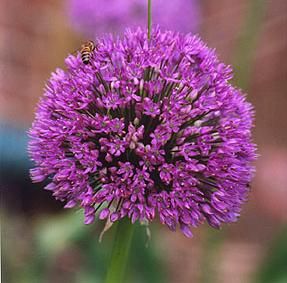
149	19
120	252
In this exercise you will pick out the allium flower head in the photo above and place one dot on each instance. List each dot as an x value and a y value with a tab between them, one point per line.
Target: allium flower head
94	17
148	128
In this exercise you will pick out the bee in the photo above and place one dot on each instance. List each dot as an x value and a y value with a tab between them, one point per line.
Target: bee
86	51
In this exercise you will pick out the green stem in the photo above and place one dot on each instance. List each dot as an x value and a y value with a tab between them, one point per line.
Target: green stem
120	252
247	41
149	19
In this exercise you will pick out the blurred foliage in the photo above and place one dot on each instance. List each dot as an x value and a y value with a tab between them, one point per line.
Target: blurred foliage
212	243
246	46
63	249
274	268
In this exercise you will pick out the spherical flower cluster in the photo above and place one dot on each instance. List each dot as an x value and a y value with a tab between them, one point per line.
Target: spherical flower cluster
148	128
94	17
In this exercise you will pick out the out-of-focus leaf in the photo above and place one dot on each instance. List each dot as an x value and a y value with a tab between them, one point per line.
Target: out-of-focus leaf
247	42
59	233
145	261
274	267
55	233
212	243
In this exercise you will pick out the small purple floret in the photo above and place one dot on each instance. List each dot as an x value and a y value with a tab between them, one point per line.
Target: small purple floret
147	129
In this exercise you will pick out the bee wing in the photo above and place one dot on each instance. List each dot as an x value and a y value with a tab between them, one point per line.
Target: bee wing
75	52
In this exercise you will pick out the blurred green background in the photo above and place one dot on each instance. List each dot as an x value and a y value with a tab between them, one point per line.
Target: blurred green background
41	242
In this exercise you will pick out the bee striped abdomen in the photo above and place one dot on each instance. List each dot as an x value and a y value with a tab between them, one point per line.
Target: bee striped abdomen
86	51
86	56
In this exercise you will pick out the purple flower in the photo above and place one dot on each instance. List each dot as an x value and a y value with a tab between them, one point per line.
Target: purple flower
159	132
150	108
94	17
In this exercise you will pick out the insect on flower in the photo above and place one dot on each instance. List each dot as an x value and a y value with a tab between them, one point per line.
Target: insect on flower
86	51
